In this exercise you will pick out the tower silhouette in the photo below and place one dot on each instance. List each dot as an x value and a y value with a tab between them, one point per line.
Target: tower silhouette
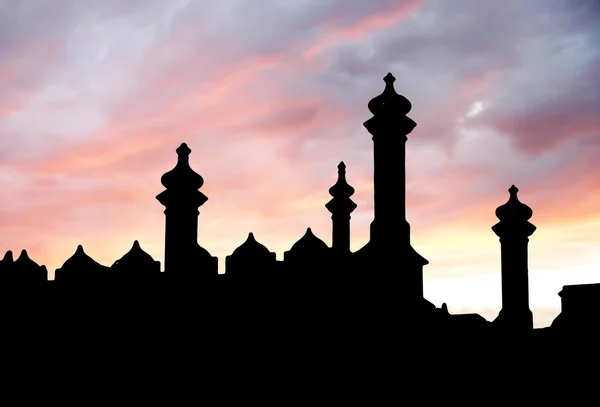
514	230
389	245
317	294
341	206
182	199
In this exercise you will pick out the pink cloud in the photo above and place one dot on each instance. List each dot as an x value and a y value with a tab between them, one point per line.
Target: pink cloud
375	20
267	129
382	19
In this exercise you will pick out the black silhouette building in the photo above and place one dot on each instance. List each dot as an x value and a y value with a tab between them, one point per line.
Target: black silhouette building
379	286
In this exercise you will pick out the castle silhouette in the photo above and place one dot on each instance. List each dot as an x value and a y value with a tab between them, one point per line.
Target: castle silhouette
315	285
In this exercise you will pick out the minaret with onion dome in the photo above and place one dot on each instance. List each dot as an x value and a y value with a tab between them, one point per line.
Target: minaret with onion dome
514	230
181	199
341	206
389	243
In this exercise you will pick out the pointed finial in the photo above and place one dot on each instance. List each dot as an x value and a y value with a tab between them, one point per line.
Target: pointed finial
24	254
136	244
183	151
341	188
251	236
389	79
309	231
79	249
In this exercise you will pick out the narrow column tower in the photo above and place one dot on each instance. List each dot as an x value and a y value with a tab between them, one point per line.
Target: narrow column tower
514	230
341	206
181	199
390	231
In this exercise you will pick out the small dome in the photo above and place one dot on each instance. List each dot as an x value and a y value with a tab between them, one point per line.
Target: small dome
309	244
136	259
182	177
514	211
389	103
8	257
7	262
80	261
24	263
251	248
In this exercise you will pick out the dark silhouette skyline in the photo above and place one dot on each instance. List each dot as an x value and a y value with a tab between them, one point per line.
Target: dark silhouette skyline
315	286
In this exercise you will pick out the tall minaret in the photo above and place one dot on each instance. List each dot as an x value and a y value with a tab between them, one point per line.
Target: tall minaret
341	206
181	199
389	127
514	230
390	231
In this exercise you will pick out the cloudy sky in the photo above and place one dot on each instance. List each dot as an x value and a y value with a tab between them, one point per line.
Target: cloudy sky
270	95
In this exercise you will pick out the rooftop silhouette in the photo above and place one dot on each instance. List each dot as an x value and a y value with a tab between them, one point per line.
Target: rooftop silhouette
316	286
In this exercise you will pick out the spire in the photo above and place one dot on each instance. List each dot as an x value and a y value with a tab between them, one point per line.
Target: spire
389	103
182	177
341	193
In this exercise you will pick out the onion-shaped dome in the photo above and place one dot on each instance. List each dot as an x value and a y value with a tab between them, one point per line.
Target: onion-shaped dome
341	193
514	211
251	248
389	103
80	261
309	244
182	177
136	259
514	218
341	189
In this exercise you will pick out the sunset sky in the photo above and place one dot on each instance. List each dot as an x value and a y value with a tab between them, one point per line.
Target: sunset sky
270	95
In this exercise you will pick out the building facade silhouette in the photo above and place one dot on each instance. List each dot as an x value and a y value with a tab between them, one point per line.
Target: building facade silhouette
380	282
